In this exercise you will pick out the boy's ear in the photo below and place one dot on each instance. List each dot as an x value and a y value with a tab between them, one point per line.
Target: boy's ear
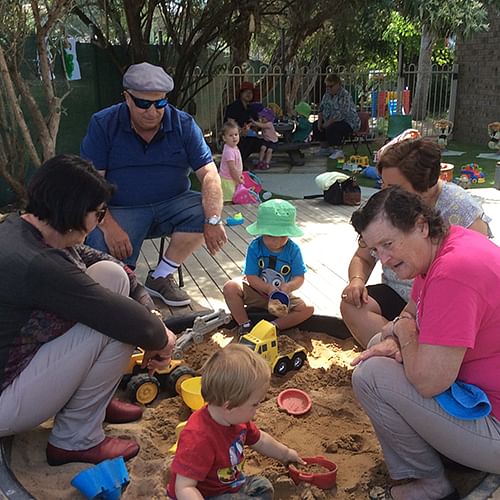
227	406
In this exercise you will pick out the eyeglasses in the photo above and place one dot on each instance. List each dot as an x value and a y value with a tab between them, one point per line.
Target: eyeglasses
101	213
146	103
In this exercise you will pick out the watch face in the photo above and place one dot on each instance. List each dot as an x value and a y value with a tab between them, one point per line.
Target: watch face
215	219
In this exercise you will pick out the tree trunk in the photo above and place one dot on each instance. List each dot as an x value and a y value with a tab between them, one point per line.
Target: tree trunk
137	42
424	74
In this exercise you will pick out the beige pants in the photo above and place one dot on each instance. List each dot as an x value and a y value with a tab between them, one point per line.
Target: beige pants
72	377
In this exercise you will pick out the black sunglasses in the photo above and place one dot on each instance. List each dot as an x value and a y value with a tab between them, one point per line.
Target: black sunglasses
101	213
146	103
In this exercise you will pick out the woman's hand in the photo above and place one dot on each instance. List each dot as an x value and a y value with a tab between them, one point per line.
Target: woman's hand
355	293
388	348
155	360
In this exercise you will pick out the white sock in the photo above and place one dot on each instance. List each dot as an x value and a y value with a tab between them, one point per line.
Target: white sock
165	268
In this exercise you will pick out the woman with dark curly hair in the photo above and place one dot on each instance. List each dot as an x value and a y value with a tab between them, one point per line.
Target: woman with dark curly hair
414	165
67	322
438	353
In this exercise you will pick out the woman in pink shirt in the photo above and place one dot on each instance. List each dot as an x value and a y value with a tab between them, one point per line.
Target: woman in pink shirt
447	337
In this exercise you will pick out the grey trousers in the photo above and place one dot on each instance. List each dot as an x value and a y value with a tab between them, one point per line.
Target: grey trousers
72	377
255	487
413	429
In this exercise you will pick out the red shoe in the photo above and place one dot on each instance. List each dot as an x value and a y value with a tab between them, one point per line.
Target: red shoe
119	412
107	449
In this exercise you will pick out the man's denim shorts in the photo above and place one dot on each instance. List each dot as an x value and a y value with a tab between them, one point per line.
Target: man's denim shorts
182	214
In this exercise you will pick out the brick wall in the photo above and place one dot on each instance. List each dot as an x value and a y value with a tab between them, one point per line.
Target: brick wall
478	91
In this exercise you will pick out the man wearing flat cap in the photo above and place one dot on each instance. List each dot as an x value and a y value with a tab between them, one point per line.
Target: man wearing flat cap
242	112
147	149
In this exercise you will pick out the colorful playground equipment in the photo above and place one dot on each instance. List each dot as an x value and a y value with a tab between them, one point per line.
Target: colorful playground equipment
474	173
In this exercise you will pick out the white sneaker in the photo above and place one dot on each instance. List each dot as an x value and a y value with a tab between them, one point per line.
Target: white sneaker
337	153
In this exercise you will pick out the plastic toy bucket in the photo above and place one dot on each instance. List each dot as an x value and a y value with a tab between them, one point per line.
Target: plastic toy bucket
281	296
278	303
323	480
447	172
105	480
191	393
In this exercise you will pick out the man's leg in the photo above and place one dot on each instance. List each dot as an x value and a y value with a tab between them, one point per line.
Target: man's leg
72	377
135	221
183	219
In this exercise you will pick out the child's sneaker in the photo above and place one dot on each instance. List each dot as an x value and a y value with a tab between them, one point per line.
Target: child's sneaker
262	165
337	153
244	328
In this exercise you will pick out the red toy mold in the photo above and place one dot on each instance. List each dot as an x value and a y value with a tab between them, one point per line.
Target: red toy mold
294	401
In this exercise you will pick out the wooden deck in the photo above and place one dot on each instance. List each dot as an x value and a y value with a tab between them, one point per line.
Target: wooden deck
327	246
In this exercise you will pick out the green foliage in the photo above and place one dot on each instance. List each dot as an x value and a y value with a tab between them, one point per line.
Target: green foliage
442	17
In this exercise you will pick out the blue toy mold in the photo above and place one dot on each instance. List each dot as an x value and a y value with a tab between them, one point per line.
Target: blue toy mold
105	480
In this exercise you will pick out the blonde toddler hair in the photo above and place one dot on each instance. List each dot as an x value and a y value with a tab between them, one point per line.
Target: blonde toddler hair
229	125
232	374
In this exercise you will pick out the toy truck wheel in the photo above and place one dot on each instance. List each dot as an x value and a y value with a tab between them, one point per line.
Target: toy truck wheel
282	367
143	388
298	360
178	376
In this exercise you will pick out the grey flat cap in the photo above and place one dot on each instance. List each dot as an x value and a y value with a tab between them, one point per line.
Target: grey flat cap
146	77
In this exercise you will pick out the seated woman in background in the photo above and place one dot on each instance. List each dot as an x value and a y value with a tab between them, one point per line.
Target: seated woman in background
435	343
414	165
337	118
67	322
243	113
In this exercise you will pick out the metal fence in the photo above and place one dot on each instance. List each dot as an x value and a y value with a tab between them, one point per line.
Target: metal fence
379	93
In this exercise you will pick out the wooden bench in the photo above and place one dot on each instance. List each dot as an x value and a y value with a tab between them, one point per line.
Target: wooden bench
294	151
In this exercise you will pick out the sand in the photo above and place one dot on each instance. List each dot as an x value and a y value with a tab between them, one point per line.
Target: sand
335	428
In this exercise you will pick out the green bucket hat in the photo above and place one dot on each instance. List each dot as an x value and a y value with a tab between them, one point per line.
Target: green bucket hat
302	108
275	218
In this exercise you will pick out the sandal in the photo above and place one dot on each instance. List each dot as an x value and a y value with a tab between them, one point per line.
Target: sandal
379	493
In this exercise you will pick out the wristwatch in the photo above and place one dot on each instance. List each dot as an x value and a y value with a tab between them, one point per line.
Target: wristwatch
213	220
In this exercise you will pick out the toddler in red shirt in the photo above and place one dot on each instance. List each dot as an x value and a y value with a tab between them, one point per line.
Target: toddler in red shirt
210	453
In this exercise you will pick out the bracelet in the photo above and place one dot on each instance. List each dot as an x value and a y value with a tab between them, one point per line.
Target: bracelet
156	313
394	321
359	277
406	344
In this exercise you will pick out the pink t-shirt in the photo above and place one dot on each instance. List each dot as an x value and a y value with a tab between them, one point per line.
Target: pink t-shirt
458	304
268	132
230	153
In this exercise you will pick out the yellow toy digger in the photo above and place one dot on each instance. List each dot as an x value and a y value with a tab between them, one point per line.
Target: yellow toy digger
144	388
264	341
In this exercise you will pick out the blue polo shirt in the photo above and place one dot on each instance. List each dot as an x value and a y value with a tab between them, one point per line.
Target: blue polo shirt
145	173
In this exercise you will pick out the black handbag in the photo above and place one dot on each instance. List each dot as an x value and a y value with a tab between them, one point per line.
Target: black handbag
346	192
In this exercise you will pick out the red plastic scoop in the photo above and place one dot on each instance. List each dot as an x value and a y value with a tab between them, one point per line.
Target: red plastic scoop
323	480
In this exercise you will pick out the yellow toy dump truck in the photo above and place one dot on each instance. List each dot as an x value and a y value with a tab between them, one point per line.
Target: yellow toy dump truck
144	388
264	341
